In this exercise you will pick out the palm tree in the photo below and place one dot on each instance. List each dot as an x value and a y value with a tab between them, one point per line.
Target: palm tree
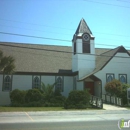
6	64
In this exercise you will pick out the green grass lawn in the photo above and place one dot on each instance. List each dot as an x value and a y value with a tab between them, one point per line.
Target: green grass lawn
21	109
18	109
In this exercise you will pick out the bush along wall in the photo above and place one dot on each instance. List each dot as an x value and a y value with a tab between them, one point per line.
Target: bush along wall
37	97
118	89
77	99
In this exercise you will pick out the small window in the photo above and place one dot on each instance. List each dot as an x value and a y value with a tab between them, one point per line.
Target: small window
74	48
7	83
36	82
123	78
86	47
59	84
109	77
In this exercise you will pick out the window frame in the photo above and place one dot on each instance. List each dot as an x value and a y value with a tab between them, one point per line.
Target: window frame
109	74
61	88
86	48
9	82
33	81
74	48
125	75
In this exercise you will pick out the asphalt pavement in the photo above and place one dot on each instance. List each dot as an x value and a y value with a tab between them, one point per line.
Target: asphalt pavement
63	120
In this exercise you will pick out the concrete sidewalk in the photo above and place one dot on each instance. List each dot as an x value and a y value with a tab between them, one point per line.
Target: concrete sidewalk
112	107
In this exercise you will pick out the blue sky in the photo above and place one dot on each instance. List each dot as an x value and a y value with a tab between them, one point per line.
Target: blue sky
109	21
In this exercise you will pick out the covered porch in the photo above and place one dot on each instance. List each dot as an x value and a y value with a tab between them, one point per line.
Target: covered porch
93	84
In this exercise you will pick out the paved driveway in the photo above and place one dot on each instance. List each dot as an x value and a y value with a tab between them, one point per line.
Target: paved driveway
112	107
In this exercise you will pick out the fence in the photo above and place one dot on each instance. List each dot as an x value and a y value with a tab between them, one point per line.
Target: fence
96	101
112	100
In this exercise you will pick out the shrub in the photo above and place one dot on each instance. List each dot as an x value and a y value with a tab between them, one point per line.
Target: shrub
114	87
77	99
118	89
33	104
33	95
123	95
47	90
17	97
56	101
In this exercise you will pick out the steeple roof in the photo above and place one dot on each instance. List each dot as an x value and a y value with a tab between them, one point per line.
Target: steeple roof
83	27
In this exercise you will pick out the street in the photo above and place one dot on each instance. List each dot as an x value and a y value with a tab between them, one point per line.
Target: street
87	125
63	120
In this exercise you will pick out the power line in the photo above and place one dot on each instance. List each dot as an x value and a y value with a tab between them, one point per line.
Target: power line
59	51
34	36
23	35
35	24
63	33
106	4
33	29
124	1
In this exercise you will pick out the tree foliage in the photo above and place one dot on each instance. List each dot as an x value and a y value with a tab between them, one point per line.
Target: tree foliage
116	88
77	99
7	65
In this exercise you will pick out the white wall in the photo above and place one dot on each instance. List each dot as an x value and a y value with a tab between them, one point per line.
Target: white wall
116	66
80	85
84	63
97	89
68	85
48	79
1	82
22	82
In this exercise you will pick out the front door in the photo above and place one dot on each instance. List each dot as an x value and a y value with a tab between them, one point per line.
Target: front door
90	87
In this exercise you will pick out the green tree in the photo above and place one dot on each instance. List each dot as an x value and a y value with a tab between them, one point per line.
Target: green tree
6	64
114	87
48	90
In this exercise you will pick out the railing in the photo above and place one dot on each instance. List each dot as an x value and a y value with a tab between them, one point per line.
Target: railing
96	101
112	100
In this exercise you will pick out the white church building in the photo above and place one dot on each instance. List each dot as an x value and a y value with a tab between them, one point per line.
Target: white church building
73	68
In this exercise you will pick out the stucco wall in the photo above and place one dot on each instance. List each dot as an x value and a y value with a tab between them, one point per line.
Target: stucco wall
117	66
1	82
48	79
22	82
97	89
80	85
68	85
84	63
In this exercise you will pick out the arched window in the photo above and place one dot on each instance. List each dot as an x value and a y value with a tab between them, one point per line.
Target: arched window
123	78
110	77
36	82
7	83
59	84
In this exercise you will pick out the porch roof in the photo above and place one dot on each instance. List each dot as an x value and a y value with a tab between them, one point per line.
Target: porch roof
93	77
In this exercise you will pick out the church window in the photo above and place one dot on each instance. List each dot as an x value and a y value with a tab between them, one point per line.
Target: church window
59	84
109	77
74	48
86	47
7	83
36	81
123	78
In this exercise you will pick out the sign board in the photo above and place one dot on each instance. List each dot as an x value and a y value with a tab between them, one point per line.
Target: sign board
128	93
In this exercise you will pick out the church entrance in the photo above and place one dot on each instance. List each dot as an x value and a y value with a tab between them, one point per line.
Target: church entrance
89	86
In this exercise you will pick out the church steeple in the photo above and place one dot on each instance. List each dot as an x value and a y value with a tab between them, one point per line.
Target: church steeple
83	27
83	48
